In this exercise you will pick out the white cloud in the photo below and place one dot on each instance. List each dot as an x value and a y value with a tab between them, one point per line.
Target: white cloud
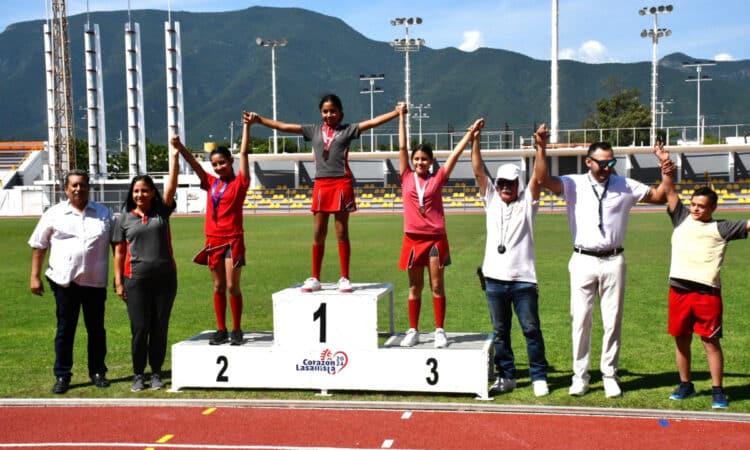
592	52
472	41
723	57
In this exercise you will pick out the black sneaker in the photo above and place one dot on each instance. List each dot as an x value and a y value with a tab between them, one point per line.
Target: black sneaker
139	384
237	337
62	384
684	390
156	382
100	380
719	399
218	338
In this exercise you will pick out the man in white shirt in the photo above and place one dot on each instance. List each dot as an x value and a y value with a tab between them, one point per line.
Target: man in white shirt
509	269
78	233
598	204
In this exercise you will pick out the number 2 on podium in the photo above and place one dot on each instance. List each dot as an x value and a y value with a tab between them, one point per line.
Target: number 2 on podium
321	314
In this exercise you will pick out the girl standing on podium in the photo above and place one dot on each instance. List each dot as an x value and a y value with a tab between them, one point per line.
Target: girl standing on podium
145	271
333	190
425	242
224	252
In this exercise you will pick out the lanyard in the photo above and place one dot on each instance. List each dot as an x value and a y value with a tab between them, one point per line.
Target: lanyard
420	192
502	223
329	134
600	199
216	198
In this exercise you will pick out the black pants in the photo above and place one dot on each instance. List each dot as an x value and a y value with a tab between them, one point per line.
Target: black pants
150	303
70	300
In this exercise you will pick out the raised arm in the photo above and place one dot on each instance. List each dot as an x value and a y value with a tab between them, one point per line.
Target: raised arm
197	168
540	161
403	151
379	120
450	163
248	118
665	193
477	163
275	124
541	176
170	184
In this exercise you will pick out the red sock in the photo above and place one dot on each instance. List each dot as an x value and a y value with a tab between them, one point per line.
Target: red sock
415	304
317	259
345	253
235	302
220	308
439	305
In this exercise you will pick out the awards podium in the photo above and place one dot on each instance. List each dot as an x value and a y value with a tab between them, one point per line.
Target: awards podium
327	340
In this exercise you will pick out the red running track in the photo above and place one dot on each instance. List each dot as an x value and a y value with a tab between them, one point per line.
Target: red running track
159	427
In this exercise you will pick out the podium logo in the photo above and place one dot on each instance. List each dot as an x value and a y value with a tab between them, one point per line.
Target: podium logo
330	362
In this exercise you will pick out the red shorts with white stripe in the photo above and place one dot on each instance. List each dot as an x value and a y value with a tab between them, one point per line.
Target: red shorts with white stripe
417	250
218	249
333	195
694	312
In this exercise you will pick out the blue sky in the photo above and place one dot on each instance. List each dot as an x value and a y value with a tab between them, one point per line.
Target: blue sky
590	31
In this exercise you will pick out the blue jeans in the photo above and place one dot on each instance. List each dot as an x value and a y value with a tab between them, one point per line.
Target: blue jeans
70	301
502	298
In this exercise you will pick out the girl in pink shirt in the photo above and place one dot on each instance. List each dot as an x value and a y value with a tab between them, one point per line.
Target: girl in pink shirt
425	241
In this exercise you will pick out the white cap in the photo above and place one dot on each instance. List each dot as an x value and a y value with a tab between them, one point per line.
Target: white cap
508	172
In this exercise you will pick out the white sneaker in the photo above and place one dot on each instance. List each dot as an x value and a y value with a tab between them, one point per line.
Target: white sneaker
411	338
611	387
345	285
441	340
578	388
503	385
540	388
311	284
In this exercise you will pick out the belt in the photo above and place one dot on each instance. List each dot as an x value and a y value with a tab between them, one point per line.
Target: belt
599	253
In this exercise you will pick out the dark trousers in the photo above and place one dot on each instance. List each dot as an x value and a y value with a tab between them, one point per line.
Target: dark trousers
70	300
150	303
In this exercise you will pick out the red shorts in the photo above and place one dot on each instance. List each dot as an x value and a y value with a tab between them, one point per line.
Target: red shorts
417	250
218	249
333	195
694	312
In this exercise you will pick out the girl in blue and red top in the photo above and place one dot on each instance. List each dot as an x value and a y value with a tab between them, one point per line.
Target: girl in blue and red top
333	191
425	242
224	252
145	272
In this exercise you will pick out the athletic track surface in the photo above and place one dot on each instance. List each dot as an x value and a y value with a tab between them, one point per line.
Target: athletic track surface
249	424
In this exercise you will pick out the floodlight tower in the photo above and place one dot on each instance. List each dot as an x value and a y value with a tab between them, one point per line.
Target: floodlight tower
60	123
407	46
420	115
697	79
273	43
654	33
372	90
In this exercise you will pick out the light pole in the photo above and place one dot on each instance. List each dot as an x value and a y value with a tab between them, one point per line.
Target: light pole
654	33
273	43
420	116
662	111
373	90
697	79
407	45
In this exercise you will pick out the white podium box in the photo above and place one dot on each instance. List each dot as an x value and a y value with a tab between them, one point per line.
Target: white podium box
329	341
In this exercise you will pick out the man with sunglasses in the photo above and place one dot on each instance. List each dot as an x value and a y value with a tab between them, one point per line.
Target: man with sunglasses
508	268
598	205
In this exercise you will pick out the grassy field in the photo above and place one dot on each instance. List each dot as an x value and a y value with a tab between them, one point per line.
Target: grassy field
278	253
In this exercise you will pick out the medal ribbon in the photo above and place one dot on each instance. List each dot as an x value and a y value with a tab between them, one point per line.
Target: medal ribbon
601	199
329	134
420	191
216	197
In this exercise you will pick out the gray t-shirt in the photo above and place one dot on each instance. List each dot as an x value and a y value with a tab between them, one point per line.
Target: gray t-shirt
335	162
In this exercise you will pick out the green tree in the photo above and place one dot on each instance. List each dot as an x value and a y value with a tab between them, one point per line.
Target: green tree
623	110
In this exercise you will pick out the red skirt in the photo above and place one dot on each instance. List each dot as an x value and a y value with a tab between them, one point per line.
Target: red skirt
333	195
216	250
417	250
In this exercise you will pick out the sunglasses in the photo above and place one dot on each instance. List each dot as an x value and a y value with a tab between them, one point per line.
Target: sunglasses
501	182
605	163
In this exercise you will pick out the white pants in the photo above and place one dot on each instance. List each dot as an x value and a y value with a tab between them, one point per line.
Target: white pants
589	276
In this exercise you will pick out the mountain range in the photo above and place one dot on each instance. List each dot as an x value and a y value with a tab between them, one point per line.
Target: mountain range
225	72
